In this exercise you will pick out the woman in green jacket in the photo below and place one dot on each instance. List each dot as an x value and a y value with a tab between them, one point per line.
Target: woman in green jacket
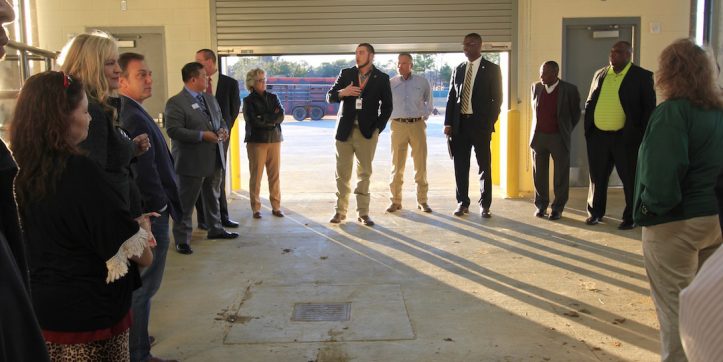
678	164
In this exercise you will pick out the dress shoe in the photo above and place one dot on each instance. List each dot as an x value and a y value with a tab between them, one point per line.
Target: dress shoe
394	207
626	225
366	220
222	235
540	213
424	207
593	220
277	213
229	223
156	359
485	213
257	215
202	226
184	249
337	218
461	210
555	215
151	340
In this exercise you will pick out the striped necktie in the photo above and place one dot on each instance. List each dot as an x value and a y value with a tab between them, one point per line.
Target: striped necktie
202	103
467	91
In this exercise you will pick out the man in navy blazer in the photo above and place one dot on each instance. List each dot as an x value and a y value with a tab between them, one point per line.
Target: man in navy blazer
157	183
621	100
225	90
473	105
366	104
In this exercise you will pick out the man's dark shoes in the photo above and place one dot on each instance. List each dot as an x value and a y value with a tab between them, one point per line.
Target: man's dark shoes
540	213
366	220
202	226
222	235
229	223
555	215
593	220
485	213
184	249
626	225
461	210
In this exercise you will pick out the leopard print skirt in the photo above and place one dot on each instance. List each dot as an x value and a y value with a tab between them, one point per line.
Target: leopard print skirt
114	349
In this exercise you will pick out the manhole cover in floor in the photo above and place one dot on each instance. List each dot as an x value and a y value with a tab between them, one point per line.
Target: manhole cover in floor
321	312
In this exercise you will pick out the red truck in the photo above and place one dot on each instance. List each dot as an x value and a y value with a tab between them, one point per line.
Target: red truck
304	97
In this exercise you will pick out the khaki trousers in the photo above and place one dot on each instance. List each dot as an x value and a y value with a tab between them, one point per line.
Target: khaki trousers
673	253
414	135
264	155
363	149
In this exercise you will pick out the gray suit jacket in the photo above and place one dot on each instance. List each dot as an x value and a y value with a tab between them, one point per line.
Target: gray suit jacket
185	120
568	110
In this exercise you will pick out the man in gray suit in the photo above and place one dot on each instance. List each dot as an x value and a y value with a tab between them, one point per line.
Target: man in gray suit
555	112
194	123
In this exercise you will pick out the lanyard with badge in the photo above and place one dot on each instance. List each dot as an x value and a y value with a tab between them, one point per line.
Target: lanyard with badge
363	79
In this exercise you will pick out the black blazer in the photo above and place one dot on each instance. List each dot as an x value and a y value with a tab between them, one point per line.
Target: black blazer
263	116
227	95
155	175
568	110
376	103
637	96
486	97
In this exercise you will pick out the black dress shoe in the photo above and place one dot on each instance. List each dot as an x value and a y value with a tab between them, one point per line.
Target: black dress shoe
461	210
184	249
222	235
202	226
593	220
229	223
540	213
485	213
626	225
555	215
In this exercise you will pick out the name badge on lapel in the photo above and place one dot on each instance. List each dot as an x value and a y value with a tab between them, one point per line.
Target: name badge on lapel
195	106
358	103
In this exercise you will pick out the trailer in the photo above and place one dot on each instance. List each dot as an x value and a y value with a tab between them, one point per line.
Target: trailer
304	97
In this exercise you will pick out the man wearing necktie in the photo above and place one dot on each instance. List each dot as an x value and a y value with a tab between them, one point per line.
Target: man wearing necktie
473	105
226	92
194	123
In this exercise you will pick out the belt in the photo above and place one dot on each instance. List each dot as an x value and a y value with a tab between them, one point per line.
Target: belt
407	120
465	115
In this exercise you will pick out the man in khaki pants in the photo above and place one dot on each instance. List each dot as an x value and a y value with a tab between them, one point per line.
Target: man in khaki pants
412	97
366	104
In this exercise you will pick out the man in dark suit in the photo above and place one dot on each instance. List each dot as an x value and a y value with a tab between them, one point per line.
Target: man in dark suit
473	105
226	91
555	113
366	104
194	123
617	110
156	180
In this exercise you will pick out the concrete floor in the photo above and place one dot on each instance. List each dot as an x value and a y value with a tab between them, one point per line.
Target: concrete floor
422	287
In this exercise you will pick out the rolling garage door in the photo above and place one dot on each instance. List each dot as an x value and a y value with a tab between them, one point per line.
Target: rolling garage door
319	26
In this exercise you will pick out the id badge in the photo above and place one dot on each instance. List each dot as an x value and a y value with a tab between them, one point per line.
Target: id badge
358	103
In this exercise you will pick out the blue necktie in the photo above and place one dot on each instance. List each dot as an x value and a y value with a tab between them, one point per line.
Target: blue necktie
202	103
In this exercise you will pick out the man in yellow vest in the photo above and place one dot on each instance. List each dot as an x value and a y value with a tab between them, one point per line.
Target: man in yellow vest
617	110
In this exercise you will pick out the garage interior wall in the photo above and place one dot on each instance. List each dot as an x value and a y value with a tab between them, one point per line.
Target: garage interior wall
188	27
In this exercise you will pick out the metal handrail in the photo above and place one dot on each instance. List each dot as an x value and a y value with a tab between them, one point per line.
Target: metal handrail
24	49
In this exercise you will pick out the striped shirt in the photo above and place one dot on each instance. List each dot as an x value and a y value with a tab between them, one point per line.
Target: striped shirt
701	312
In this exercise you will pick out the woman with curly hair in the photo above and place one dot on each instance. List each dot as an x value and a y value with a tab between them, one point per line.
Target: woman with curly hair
678	164
93	59
82	242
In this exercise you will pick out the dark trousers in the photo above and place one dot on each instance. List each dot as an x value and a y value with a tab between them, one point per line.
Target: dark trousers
605	150
544	146
222	204
462	148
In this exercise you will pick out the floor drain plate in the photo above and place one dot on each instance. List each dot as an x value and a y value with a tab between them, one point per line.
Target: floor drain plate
321	312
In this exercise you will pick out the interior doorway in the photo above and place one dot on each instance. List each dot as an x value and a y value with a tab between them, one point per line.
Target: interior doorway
586	44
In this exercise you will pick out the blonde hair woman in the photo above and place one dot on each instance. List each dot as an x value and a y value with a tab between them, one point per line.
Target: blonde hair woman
678	163
93	59
263	114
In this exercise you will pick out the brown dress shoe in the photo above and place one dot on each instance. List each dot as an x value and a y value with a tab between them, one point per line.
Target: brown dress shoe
366	220
156	359
424	207
337	218
277	213
394	207
257	215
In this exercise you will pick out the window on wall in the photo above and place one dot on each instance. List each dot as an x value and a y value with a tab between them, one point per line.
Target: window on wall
301	81
703	21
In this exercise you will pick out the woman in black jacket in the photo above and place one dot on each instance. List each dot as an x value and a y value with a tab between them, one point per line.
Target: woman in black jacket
263	114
